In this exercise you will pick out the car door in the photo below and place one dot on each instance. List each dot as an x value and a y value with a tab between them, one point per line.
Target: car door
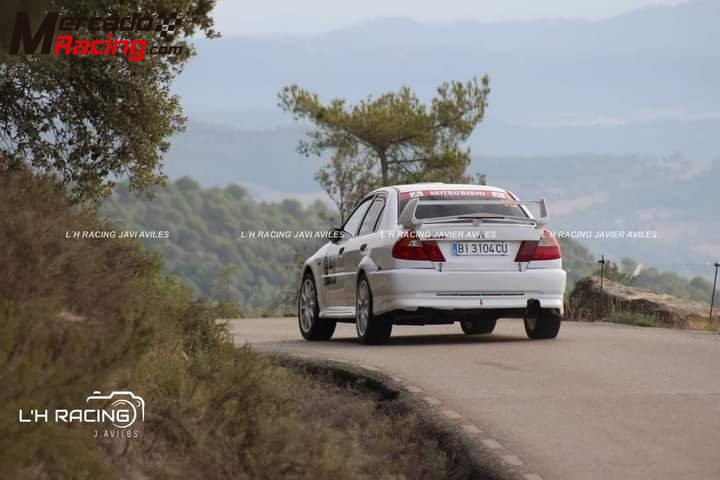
333	278
357	247
330	287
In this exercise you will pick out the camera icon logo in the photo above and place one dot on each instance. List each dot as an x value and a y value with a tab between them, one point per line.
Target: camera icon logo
125	407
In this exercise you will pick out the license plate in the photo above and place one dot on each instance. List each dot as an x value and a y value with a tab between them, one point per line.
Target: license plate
488	249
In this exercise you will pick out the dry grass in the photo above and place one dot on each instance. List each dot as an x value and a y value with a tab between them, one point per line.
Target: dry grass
704	325
636	319
82	315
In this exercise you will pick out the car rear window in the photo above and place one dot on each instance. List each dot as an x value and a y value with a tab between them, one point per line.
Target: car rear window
428	210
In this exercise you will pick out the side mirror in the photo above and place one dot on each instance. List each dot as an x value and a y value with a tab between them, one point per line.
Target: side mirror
336	234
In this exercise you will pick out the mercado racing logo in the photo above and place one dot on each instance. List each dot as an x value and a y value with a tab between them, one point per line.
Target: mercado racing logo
57	35
120	409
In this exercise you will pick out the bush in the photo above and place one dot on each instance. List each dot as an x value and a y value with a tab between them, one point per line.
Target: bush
78	315
72	314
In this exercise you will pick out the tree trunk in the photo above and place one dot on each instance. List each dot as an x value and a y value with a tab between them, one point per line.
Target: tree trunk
383	168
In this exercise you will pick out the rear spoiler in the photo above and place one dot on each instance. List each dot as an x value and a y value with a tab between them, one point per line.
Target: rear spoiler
408	220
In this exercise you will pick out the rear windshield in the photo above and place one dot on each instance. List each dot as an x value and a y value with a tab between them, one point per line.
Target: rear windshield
428	210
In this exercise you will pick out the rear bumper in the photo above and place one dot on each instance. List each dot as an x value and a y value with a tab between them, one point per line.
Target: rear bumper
412	289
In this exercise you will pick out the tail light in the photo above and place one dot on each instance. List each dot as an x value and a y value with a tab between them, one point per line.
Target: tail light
547	248
409	247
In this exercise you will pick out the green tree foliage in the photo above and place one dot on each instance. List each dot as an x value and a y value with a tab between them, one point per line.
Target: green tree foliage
611	271
346	179
696	288
393	138
578	262
206	247
92	118
629	266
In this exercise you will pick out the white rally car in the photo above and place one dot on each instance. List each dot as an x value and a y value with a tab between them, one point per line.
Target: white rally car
435	253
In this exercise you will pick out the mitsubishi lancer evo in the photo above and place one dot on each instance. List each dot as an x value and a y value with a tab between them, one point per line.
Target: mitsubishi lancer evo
430	254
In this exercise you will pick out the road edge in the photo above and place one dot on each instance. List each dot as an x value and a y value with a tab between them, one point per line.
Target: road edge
471	458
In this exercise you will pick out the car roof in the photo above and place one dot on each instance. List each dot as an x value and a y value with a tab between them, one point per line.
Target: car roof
444	186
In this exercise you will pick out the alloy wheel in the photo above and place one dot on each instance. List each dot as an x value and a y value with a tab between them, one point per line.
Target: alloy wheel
363	307
307	305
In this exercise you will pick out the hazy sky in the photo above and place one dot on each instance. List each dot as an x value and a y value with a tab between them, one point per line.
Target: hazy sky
259	17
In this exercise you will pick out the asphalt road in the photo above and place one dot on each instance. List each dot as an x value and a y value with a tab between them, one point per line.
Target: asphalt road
599	402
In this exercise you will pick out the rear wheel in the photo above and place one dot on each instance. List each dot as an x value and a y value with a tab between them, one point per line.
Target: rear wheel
542	323
478	327
312	327
371	329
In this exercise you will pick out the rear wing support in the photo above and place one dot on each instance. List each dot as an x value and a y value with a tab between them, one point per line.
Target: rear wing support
408	219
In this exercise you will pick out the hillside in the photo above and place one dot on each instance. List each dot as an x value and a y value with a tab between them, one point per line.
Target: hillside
85	315
206	245
598	192
219	155
209	244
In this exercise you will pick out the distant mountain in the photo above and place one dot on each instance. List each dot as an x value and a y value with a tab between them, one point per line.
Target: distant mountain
673	197
643	82
676	197
265	161
615	121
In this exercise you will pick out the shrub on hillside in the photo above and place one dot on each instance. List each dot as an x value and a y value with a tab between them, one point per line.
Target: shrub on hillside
72	314
78	315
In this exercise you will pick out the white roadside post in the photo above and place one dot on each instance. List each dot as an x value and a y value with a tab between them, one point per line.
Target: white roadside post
712	300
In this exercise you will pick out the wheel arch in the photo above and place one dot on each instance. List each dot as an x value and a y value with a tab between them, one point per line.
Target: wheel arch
307	269
319	291
366	267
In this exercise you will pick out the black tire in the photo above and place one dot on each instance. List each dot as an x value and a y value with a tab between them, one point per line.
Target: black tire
544	325
478	327
377	329
312	327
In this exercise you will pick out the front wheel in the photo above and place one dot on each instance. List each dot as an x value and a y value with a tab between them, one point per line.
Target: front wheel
371	330
312	327
542	323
